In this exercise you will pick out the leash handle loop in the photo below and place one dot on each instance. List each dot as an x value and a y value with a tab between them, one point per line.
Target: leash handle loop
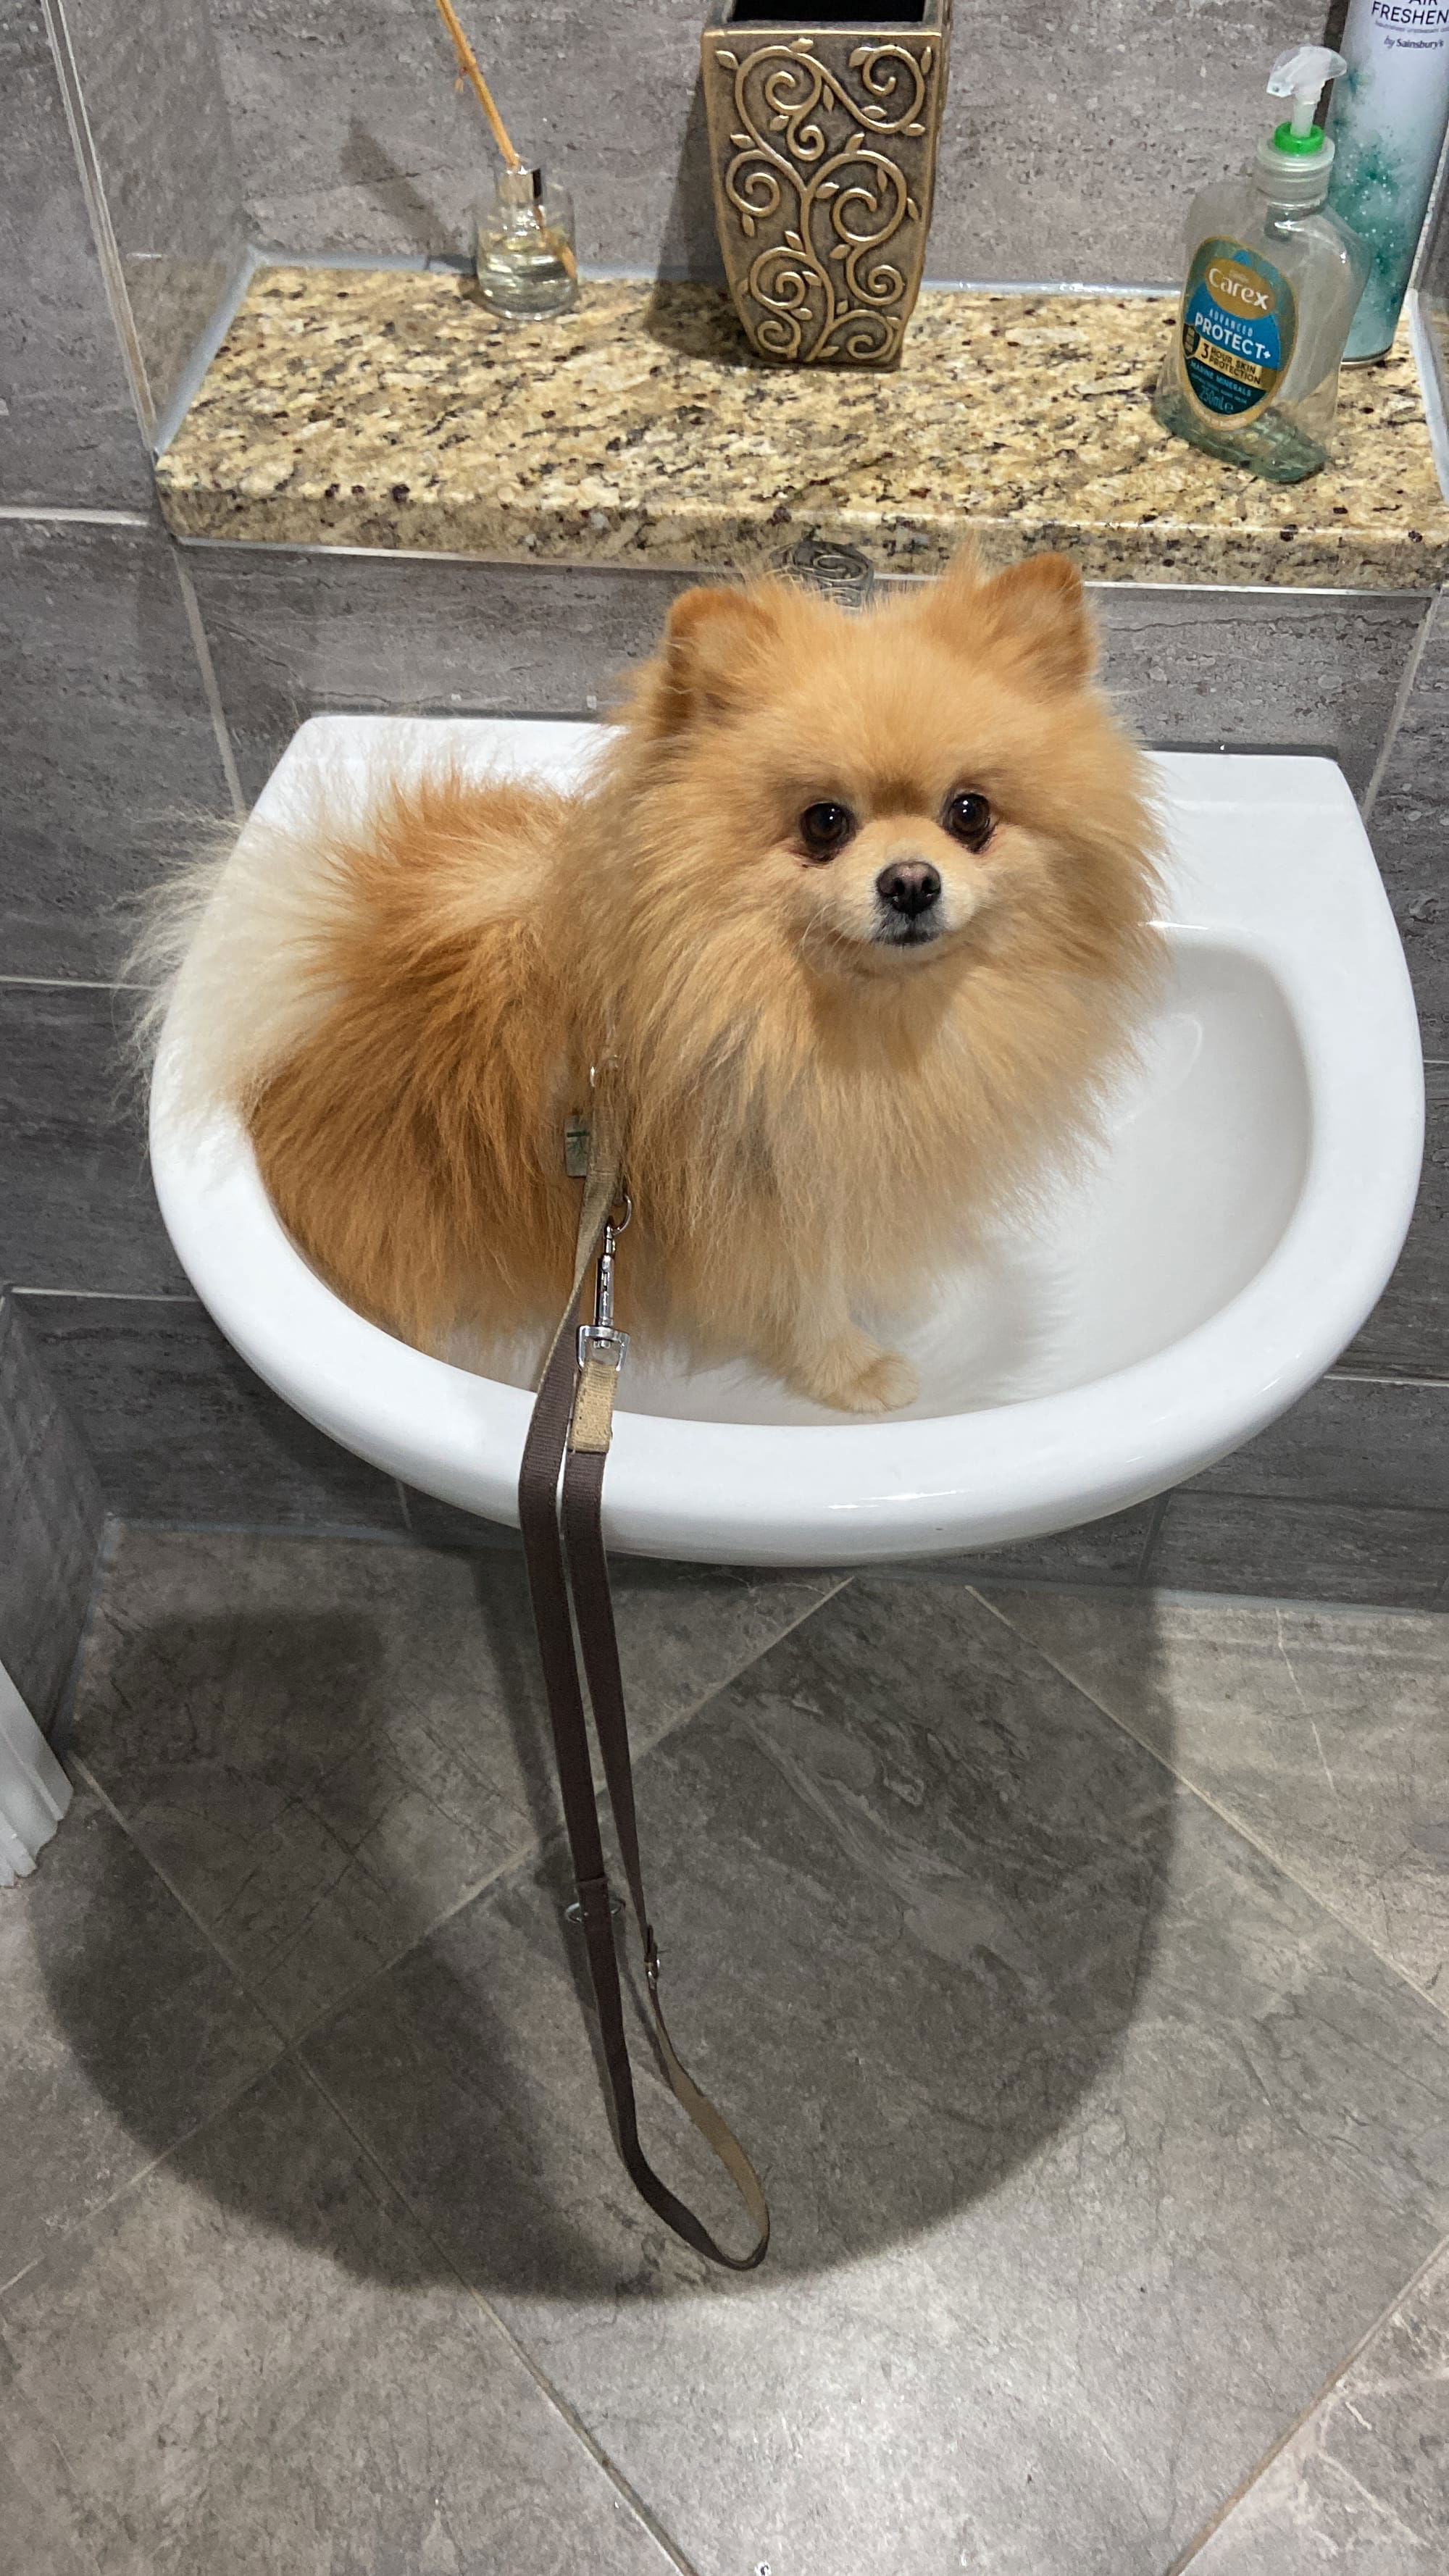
560	1506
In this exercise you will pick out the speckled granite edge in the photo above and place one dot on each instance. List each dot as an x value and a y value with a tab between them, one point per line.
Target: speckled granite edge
1316	559
385	410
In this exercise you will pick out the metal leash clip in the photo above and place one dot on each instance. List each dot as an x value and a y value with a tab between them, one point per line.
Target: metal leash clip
601	1340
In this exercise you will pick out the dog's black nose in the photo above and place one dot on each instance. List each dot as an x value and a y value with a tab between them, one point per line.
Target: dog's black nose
909	886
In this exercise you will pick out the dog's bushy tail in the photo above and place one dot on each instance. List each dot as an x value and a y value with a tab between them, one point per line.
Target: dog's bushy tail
164	922
234	955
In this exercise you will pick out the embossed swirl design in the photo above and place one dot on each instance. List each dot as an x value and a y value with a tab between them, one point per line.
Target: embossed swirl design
832	207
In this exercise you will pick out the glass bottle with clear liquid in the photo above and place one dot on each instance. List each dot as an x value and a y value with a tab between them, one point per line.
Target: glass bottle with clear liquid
524	257
1272	282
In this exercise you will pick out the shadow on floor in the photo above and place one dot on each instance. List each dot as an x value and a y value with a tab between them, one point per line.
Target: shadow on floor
906	1880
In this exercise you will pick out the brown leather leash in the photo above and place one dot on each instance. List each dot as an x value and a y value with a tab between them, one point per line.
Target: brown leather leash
560	1512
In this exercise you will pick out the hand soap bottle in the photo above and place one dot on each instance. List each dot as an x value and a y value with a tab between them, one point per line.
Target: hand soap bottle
1272	282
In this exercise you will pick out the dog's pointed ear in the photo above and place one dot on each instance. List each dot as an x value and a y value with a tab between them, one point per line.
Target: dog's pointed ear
1034	615
716	645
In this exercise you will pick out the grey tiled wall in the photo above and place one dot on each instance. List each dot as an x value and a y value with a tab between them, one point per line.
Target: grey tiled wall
1408	831
110	753
290	630
1285	671
69	433
294	630
1072	139
51	1517
157	139
1347	1498
179	1428
1302	1551
138	681
79	1210
1408	1332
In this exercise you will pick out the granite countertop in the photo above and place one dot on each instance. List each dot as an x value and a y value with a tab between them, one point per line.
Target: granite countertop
355	407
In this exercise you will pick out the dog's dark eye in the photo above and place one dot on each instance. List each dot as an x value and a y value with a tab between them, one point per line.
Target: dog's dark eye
824	829
969	818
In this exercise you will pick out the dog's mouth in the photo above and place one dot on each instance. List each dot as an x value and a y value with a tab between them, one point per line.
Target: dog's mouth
896	931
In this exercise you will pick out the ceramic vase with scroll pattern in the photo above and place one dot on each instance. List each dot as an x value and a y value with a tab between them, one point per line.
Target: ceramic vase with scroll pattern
823	136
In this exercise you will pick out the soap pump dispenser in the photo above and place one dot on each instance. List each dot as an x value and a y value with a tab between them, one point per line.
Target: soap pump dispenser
1272	281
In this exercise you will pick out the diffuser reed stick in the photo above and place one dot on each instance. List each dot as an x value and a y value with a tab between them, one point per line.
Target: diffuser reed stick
468	63
512	158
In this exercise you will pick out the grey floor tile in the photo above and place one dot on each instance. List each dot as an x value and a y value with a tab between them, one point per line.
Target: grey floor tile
77	1209
120	2029
180	1429
1292	1550
35	2511
1092	2141
1362	2489
1408	1330
51	1519
1324	1734
326	1746
254	2362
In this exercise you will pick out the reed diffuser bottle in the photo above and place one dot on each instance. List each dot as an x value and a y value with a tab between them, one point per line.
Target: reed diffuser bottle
525	247
524	244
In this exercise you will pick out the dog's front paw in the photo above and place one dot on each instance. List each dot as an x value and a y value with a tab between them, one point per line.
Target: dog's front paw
857	1376
888	1383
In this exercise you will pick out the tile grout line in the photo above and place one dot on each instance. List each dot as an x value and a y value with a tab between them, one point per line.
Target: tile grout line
210	689
1399	710
291	2042
1206	2531
736	1670
77	1763
93	189
306	1533
540	1843
1233	1823
554	2396
113	1297
68	983
1314	1602
1340	1376
63	2234
1317	1503
1157	1514
58	1733
52	514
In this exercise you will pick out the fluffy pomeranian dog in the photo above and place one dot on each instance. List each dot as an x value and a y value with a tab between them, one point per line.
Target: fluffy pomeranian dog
855	909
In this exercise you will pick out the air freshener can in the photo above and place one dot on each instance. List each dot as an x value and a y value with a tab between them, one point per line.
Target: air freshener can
1387	125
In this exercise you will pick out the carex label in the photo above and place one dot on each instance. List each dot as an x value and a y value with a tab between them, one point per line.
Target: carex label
1238	325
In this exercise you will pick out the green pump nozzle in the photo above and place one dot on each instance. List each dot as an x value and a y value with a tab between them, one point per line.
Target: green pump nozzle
1302	75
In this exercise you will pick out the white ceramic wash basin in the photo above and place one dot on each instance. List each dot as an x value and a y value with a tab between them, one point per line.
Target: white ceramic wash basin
1244	1215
